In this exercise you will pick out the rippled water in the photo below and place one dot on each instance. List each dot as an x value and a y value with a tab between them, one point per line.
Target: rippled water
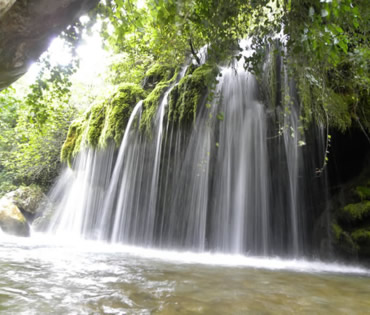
43	276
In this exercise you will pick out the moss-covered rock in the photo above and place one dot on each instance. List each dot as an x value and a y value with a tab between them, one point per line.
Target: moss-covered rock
362	239
73	141
361	236
27	199
343	242
96	124
119	112
356	212
363	192
150	106
185	97
12	220
157	73
103	122
152	101
351	227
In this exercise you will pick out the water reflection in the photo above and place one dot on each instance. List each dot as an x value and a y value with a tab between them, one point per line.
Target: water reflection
41	277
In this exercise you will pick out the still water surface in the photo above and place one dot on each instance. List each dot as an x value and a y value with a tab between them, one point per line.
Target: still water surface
41	275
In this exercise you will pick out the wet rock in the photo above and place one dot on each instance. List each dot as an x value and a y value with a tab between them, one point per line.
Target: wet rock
350	219
12	220
41	223
27	27
5	5
28	200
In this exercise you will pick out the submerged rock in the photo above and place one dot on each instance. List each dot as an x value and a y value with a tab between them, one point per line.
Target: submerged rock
12	220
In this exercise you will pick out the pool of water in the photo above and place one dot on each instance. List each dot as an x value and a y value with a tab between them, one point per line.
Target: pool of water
42	275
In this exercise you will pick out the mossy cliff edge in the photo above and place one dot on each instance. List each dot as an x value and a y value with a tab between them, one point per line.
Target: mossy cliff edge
105	122
189	93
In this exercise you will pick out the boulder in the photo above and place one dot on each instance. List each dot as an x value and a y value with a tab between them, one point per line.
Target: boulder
28	199
12	220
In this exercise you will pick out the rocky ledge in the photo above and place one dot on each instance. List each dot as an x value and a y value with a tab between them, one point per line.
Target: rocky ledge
27	27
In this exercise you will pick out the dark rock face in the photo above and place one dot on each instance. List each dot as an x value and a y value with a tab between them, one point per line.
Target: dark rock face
26	29
349	176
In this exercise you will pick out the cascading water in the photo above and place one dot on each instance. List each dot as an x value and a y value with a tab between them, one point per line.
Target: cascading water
226	184
241	182
80	193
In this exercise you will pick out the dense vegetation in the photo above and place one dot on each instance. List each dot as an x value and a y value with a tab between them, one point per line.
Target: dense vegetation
324	43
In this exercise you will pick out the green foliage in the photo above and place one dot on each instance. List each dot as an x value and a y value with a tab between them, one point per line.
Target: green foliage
329	43
8	120
30	154
325	43
337	231
363	192
325	48
361	236
354	218
344	241
34	127
170	30
357	211
126	68
52	84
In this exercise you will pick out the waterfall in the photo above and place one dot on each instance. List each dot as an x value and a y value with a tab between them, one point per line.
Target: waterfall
227	183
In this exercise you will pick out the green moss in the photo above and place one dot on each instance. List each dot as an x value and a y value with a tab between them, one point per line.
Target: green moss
103	122
343	241
361	236
305	96
362	192
150	106
71	144
119	111
96	124
80	136
337	230
338	110
185	98
157	73
192	67
273	83
356	211
151	103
